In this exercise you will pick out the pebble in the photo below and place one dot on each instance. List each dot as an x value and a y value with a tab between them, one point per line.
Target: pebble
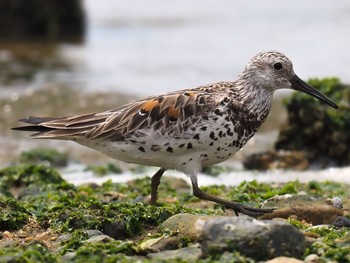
187	254
312	258
162	243
341	221
284	260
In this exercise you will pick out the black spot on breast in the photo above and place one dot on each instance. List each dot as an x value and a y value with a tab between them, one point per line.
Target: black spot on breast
181	146
141	149
204	128
211	144
220	134
218	112
229	132
189	146
169	149
212	135
196	136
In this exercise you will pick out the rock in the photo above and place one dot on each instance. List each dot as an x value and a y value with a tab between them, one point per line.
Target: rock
69	256
273	159
254	238
7	243
341	221
336	202
186	254
186	224
162	243
312	258
93	232
116	230
322	133
99	239
284	260
63	238
50	20
314	210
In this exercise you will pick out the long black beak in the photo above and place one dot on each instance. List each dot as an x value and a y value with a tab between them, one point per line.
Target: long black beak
299	84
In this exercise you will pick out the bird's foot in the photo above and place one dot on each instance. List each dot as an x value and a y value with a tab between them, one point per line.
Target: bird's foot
247	210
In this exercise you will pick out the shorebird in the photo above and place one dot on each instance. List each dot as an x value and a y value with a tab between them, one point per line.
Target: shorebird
186	129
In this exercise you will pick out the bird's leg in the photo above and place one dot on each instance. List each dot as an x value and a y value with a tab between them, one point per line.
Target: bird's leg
237	207
154	185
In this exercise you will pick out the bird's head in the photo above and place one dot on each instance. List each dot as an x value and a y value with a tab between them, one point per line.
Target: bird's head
272	70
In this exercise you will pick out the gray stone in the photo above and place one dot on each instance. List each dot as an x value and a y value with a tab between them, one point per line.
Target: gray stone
99	239
187	254
312	258
162	243
254	238
186	224
341	221
68	256
63	238
93	232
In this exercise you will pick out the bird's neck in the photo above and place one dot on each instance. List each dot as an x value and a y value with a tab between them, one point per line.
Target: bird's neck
256	100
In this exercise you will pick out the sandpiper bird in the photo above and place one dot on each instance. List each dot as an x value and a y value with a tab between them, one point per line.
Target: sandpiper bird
186	129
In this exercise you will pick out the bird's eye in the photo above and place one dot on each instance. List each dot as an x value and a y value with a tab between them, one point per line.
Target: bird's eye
278	66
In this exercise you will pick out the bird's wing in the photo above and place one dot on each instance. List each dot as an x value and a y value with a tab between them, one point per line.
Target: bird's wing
166	113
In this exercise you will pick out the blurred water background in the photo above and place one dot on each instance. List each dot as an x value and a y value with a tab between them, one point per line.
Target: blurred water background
138	48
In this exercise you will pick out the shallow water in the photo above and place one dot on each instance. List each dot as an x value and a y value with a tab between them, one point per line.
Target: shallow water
77	174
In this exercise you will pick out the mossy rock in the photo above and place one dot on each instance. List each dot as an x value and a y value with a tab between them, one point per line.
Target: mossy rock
317	129
44	155
21	176
13	215
102	170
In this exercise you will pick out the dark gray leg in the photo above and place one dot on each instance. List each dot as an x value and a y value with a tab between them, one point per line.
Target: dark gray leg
155	181
237	207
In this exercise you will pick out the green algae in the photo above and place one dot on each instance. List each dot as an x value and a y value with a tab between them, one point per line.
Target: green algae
332	244
71	210
44	155
24	175
32	253
13	215
102	170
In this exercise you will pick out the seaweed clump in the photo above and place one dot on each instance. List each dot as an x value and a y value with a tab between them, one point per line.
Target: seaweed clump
316	129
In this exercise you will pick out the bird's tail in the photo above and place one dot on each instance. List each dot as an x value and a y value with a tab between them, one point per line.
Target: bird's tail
65	128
